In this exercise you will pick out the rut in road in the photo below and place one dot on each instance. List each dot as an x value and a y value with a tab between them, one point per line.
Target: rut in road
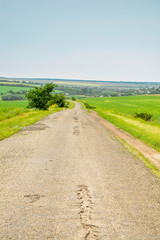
67	178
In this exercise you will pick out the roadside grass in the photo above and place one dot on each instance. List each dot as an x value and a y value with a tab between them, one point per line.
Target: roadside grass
14	124
120	111
81	102
71	105
14	116
154	169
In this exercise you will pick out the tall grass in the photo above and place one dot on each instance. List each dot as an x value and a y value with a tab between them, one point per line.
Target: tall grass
14	124
14	115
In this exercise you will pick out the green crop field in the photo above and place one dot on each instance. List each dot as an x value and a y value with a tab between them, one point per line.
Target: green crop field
121	112
13	104
5	89
10	109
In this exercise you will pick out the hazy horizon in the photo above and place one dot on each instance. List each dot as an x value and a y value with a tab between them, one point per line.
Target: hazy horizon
99	40
74	79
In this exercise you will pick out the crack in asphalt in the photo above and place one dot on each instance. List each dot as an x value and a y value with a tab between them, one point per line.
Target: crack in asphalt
33	197
86	206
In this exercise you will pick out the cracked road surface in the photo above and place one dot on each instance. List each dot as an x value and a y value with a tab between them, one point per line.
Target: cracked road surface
67	178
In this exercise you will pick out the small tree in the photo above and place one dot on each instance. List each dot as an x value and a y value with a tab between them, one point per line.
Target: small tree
40	96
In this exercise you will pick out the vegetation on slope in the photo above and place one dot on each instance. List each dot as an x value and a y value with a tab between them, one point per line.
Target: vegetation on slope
12	118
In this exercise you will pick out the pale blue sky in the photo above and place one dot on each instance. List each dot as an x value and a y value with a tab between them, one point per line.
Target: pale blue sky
85	39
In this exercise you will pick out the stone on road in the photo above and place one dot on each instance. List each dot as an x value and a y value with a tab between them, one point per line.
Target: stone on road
67	178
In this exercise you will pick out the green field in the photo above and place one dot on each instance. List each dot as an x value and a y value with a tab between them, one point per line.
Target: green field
120	111
10	109
13	104
5	89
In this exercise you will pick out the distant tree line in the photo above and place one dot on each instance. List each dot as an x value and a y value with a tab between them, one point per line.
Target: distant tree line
105	92
12	96
9	97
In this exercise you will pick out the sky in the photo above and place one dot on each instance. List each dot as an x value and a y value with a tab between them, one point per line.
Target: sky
112	40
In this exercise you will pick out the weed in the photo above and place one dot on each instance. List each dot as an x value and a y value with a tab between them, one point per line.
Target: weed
87	105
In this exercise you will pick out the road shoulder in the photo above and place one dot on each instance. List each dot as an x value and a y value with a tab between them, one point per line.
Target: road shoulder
149	153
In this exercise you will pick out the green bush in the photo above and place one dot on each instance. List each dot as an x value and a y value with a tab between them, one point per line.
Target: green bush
40	96
87	105
59	100
143	115
73	98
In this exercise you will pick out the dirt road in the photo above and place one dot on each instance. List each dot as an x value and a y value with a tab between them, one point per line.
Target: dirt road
67	178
